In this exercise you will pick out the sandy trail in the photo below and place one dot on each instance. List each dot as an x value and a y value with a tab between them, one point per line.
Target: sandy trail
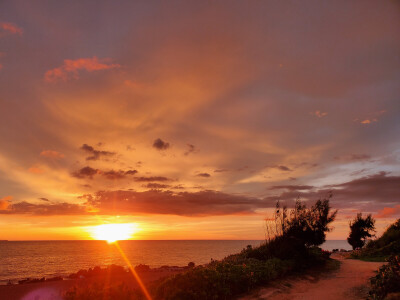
350	282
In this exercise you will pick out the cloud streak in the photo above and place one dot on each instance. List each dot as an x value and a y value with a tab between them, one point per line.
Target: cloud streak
96	154
71	68
52	154
10	28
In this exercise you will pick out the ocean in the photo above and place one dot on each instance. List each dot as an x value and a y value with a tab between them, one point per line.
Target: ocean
36	259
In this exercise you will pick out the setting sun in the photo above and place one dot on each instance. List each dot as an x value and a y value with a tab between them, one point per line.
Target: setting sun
114	232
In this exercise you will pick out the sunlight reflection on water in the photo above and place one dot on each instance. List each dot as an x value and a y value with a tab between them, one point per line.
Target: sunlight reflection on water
20	260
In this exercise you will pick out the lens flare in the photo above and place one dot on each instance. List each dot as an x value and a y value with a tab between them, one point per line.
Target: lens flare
114	232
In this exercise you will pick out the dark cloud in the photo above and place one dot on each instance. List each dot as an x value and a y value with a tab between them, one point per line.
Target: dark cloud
282	168
45	209
220	170
155	201
156	186
159	144
96	154
152	178
112	175
352	157
205	175
88	172
369	193
201	203
85	172
191	149
44	199
306	165
291	187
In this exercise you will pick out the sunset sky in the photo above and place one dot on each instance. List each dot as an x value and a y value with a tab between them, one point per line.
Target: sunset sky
191	118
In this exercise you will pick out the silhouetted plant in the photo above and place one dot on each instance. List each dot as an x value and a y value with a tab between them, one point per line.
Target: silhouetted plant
309	225
383	247
387	281
360	229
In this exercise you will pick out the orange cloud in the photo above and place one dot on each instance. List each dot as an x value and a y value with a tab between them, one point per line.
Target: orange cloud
35	170
51	154
319	114
387	212
4	202
10	28
368	121
373	117
71	67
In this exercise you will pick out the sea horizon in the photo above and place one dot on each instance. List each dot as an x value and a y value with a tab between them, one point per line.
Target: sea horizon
39	258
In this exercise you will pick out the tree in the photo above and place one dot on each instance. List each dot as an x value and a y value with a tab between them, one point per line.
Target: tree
360	229
308	225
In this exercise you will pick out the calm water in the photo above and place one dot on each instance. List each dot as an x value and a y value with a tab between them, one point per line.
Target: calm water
59	258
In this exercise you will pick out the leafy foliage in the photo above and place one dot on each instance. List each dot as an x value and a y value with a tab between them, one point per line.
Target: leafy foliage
360	229
387	281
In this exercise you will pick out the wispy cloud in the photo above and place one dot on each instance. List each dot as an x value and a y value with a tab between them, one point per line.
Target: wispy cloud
372	117
388	212
319	113
205	175
36	170
70	68
5	202
51	154
191	149
152	178
89	172
10	28
96	154
353	157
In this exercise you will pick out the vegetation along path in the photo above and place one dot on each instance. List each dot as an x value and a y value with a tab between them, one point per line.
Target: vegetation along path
350	281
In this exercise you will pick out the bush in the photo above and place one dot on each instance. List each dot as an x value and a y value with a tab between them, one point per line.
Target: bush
387	281
221	279
142	268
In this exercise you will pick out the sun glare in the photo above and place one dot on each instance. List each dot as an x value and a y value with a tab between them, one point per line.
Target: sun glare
114	232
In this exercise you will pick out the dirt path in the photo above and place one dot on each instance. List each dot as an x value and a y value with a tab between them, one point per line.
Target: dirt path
349	282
